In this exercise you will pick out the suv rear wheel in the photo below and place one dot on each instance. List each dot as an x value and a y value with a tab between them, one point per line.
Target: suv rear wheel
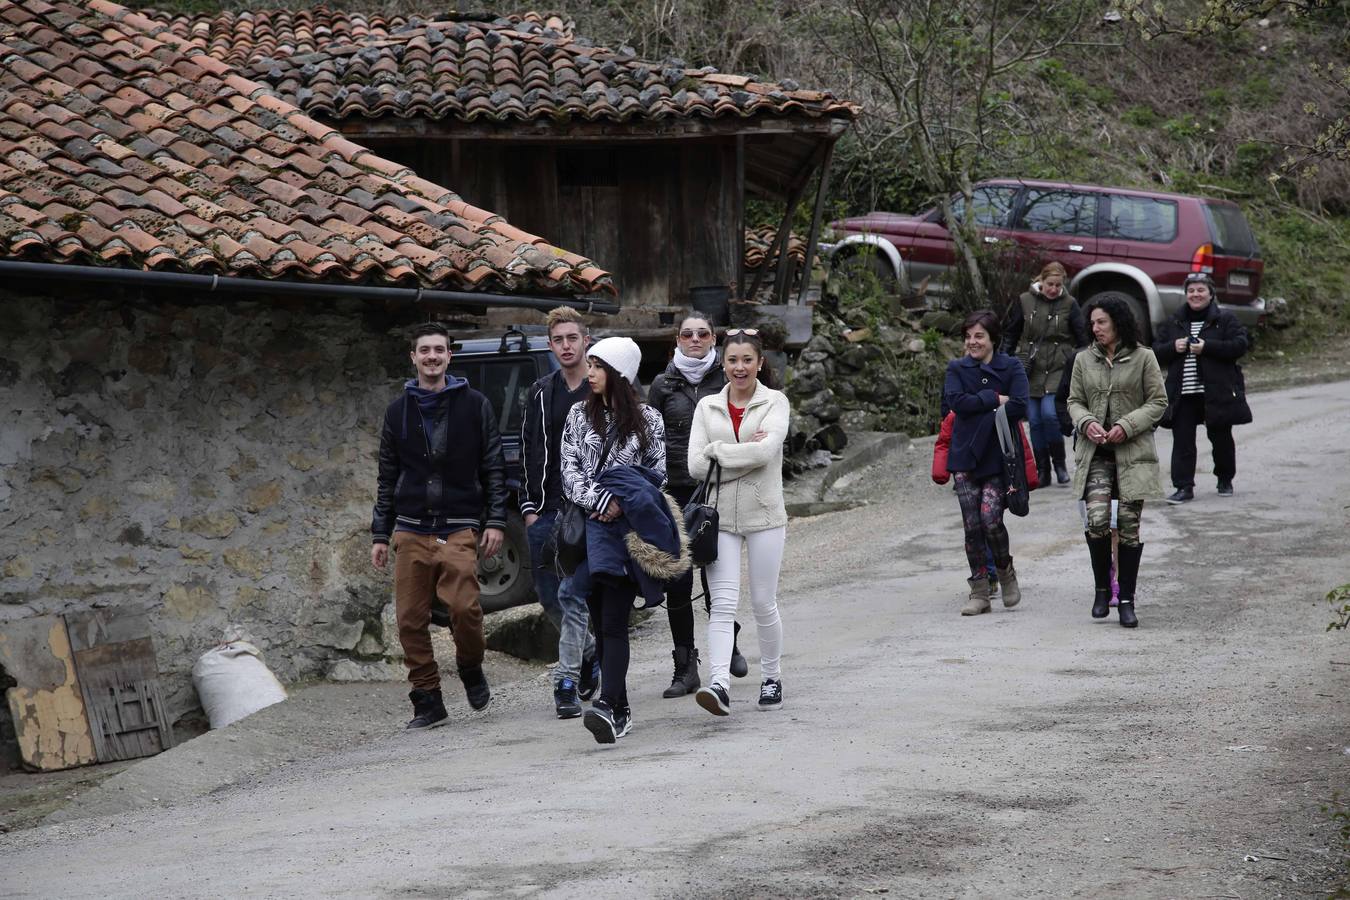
505	580
1135	305
858	267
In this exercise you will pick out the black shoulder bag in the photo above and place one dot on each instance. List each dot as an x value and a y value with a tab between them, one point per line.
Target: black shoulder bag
1015	492
700	517
568	539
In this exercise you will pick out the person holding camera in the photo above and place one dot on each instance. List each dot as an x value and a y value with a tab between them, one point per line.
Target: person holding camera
1201	346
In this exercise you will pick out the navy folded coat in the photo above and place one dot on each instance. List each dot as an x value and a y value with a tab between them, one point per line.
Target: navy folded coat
647	543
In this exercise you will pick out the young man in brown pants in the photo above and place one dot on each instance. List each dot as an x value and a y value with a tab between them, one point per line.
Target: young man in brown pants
442	482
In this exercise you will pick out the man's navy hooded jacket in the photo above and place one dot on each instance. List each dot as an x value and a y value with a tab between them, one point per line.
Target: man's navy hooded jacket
441	465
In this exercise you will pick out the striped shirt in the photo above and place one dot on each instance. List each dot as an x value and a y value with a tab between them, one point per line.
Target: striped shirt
1190	375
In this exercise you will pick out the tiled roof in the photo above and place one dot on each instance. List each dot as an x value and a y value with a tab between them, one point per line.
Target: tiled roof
122	145
758	242
519	69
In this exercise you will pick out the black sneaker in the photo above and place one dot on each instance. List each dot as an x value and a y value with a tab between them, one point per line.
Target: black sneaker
590	677
428	709
599	721
1225	487
770	694
623	722
1181	495
715	699
475	686
565	699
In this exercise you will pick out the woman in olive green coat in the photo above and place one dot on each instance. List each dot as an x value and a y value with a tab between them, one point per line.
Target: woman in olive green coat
1116	399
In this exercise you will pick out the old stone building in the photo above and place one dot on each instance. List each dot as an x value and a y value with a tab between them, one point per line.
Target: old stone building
202	298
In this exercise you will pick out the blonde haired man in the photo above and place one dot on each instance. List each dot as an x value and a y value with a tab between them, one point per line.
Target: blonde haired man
546	407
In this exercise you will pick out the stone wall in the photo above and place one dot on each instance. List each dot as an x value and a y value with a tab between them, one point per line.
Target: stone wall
213	462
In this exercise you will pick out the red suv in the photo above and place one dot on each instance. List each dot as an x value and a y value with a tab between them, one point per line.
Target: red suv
1141	244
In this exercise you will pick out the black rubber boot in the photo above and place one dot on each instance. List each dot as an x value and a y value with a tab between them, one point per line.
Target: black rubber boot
475	686
1043	466
1057	457
428	709
1100	551
739	667
1128	575
685	681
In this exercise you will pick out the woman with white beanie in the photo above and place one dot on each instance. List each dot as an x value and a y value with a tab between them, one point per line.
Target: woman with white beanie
610	429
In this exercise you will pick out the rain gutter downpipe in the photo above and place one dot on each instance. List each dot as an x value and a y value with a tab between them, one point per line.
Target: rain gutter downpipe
216	284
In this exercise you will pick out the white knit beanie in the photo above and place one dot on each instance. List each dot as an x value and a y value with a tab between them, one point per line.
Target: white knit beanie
621	353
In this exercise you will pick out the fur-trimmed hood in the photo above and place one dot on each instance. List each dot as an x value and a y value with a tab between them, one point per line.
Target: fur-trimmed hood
661	564
648	542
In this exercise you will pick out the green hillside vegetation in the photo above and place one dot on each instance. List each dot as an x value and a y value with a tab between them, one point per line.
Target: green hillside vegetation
1245	104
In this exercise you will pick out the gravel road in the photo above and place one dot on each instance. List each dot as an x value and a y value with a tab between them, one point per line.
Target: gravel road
1031	752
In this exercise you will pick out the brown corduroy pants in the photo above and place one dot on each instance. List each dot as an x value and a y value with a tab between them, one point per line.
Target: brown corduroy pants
426	566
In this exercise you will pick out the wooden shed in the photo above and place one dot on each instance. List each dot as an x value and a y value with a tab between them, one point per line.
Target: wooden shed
640	165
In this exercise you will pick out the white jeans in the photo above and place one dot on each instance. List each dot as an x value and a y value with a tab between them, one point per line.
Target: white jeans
765	549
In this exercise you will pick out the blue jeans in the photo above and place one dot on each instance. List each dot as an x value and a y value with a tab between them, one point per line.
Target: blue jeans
1044	422
564	608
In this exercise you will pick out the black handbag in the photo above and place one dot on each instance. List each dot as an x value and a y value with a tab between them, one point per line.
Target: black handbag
567	542
700	518
1016	496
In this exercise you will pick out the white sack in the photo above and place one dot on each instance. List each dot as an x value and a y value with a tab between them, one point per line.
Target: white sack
232	681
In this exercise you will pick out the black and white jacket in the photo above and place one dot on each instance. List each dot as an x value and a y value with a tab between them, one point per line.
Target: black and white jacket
541	484
582	448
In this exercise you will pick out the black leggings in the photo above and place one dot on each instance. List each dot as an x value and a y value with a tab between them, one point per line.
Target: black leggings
610	604
680	593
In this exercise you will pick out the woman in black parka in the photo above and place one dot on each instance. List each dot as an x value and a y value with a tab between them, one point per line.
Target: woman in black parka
1200	347
693	373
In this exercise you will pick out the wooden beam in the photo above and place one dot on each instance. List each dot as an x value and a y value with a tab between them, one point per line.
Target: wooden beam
422	128
740	217
779	248
814	236
780	239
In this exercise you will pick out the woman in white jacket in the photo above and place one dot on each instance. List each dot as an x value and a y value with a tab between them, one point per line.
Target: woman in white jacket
742	429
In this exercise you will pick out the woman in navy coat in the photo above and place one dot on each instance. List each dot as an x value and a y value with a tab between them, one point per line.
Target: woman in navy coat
976	385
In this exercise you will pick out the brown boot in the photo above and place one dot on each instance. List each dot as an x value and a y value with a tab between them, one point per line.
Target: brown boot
979	596
1007	582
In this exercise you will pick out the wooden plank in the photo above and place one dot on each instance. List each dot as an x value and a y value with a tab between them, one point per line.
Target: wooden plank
46	705
814	236
738	192
119	681
93	627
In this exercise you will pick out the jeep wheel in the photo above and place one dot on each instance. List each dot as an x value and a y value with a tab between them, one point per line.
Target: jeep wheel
858	268
505	580
1136	307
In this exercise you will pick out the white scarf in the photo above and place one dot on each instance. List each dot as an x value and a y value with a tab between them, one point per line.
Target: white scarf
695	370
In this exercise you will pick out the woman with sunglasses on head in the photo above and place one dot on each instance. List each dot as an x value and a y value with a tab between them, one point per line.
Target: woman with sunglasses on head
741	429
609	430
693	374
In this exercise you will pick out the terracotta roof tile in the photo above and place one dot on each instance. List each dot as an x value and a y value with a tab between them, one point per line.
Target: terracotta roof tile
340	65
121	144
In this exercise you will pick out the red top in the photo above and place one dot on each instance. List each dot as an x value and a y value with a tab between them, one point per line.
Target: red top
736	413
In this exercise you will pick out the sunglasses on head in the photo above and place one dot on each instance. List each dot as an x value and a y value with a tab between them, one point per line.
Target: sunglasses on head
701	332
748	332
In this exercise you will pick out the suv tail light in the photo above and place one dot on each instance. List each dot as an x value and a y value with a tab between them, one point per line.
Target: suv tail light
1203	258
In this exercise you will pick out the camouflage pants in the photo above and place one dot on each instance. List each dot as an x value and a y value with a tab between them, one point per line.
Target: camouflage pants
1101	488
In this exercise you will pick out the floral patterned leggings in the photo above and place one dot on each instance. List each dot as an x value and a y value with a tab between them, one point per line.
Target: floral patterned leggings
981	502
